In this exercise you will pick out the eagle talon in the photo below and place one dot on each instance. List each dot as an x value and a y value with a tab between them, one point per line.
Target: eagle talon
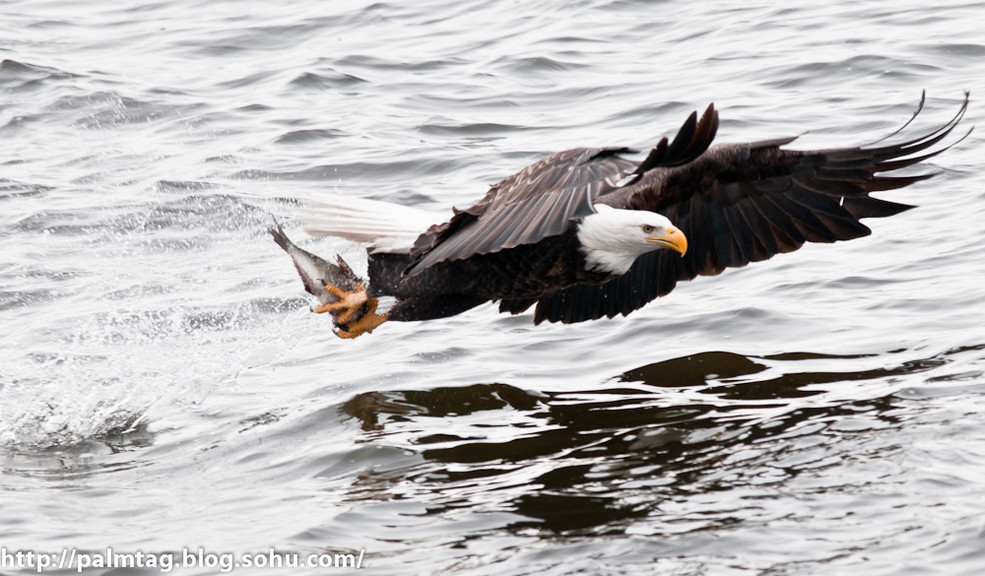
367	321
339	293
343	326
347	305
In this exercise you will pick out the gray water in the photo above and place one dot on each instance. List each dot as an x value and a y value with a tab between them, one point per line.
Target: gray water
165	390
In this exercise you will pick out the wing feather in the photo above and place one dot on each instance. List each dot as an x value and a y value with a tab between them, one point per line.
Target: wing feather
540	201
745	203
545	198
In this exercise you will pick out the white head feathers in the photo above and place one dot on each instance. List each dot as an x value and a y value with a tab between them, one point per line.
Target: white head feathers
612	239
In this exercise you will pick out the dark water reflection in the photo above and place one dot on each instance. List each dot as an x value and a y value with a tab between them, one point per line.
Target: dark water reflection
599	461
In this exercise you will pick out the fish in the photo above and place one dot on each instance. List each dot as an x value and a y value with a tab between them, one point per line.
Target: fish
327	282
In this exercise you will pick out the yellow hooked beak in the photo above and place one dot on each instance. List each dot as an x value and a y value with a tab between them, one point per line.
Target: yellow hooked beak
672	238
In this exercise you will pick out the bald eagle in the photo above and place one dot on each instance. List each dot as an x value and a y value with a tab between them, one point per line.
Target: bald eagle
588	232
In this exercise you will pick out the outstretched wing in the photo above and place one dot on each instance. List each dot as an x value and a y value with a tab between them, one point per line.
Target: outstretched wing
544	198
745	203
539	201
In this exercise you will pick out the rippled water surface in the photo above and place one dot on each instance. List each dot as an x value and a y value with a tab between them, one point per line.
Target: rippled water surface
165	388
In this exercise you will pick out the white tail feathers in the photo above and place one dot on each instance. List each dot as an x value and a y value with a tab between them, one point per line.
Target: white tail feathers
382	226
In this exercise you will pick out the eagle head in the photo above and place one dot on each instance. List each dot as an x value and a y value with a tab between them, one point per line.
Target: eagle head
612	239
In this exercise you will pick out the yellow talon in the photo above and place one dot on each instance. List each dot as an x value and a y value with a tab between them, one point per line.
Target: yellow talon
365	324
338	293
348	303
354	313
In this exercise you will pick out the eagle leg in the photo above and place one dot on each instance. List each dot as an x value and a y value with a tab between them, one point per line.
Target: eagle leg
366	322
348	303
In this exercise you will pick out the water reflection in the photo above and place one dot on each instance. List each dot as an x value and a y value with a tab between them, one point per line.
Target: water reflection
598	461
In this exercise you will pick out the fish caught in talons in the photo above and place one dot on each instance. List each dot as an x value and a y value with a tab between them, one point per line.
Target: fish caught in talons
348	305
339	291
365	323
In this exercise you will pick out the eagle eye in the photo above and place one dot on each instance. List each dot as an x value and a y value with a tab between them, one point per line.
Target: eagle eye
648	229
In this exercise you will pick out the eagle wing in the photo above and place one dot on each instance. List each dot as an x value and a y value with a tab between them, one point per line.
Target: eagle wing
537	202
745	203
544	198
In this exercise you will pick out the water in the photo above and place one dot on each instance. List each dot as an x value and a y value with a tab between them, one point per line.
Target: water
165	389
